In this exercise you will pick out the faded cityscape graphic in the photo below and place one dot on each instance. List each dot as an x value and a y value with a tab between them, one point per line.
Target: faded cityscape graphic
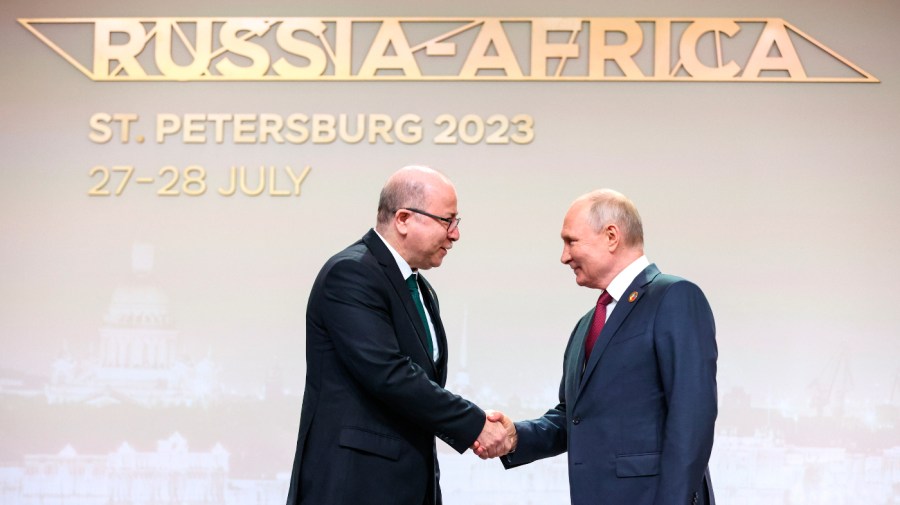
138	422
170	370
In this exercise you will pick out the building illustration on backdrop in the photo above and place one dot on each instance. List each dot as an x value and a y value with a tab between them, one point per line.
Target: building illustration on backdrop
137	358
136	363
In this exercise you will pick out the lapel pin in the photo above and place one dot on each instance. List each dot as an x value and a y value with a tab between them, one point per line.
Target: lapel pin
632	297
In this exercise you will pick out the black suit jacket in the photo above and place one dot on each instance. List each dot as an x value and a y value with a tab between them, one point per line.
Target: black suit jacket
374	398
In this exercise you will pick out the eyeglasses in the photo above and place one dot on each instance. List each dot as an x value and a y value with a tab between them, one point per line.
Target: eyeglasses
452	222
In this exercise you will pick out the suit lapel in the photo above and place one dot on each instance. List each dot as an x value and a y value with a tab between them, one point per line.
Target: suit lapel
575	364
619	314
398	283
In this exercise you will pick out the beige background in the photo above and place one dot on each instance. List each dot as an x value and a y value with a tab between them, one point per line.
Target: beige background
779	200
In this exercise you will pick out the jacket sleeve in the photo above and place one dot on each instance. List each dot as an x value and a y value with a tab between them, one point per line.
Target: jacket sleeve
684	335
355	307
546	436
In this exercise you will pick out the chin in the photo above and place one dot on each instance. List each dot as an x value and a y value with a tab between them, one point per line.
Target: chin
438	260
582	281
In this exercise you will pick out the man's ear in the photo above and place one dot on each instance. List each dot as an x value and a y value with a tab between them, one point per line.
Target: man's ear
613	237
401	221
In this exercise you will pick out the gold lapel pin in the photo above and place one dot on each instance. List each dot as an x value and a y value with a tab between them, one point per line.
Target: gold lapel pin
632	297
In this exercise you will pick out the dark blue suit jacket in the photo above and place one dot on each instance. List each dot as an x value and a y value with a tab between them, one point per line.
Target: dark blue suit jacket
374	398
638	418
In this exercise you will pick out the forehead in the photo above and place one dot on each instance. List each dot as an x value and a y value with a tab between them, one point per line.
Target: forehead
576	221
441	196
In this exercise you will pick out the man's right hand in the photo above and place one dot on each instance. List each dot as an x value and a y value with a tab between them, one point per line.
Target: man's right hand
498	437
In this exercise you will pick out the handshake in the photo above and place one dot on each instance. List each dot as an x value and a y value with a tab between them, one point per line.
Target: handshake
498	437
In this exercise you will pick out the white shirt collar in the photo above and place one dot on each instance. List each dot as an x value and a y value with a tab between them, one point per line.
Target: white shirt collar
405	269
621	282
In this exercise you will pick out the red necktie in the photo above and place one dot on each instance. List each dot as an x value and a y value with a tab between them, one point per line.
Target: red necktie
596	324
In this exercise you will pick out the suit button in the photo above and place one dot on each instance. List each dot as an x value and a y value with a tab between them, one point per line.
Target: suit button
576	420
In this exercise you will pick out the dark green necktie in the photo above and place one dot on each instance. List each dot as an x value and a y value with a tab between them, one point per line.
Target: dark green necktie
414	291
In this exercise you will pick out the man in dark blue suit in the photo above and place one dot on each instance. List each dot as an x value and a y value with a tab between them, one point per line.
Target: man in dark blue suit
376	357
637	401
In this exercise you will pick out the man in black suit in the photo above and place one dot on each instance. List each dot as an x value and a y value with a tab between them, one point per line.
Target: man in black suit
376	356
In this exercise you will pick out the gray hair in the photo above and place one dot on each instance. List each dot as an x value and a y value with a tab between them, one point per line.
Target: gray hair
399	193
611	207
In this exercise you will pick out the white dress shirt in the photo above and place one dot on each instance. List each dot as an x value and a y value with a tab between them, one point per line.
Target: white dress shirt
621	282
406	271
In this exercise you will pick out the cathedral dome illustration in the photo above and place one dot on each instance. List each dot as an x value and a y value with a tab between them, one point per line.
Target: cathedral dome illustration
140	303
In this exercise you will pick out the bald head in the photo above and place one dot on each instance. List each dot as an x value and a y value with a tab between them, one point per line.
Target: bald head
606	206
408	187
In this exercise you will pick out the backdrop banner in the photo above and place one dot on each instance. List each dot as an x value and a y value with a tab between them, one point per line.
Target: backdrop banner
176	175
